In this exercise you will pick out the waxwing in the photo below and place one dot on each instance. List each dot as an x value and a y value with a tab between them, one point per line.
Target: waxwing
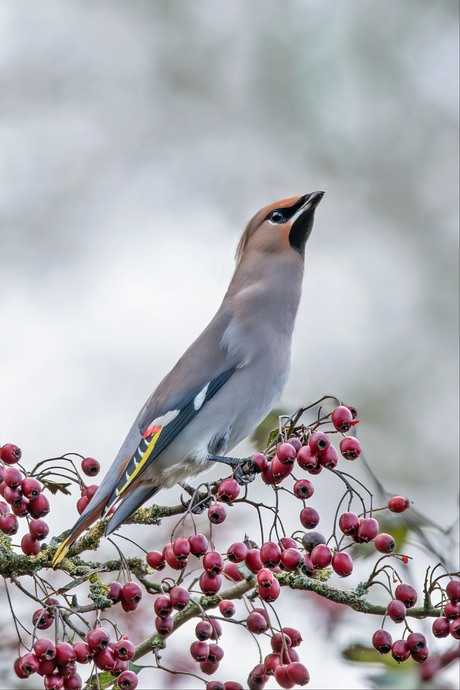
227	381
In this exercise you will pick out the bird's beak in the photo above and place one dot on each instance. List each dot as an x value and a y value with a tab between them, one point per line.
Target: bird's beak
302	221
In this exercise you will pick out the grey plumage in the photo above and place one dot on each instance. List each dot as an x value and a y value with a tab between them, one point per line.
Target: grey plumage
227	381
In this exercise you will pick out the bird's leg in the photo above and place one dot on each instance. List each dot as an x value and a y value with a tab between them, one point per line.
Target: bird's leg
244	469
199	500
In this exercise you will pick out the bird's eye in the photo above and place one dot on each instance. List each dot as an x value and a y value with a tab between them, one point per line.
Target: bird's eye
276	217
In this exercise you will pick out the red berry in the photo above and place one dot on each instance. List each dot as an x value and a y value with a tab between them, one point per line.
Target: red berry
155	560
131	592
291	559
124	649
342	418
215	685
203	631
270	594
349	523
68	670
115	591
306	459
280	641
105	659
282	677
171	560
13	477
198	544
227	608
42	619
162	606
441	627
287	543
213	562
303	488
279	469
90	467
265	578
398	504
257	623
232	685
396	611
44	649
11	495
39	507
298	673
382	641
82	504
215	653
73	683
4	507
98	639
209	668
9	524
400	651
453	591
368	530
38	529
210	584
237	552
232	573
319	442
455	628
384	543
350	448
260	460
31	487
421	656
53	682
29	664
83	652
199	651
179	598
416	642
181	548
217	514
308	567
270	554
127	680
17	669
29	545
451	610
267	476
65	654
342	564
164	626
309	517
10	453
329	458
253	561
228	490
406	594
321	556
286	453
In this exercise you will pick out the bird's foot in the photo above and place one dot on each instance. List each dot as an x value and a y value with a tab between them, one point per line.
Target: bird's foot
200	500
244	469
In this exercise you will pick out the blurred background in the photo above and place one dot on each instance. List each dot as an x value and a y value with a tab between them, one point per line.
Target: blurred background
137	139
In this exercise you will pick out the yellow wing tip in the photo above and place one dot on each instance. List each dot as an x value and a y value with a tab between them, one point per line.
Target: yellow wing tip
61	552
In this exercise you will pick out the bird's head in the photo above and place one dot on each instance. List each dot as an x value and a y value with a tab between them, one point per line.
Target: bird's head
283	226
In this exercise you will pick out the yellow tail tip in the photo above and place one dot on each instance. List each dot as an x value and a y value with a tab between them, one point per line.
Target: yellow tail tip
61	552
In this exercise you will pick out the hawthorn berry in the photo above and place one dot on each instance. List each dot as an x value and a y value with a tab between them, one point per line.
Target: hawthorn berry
127	680
279	469
215	654
268	477
382	641
406	594
421	656
217	514
237	552
453	591
53	682
309	517
9	454
65	654
321	556
297	673
227	608
350	448
90	467
342	418
256	623
306	459
155	560
270	594
42	619
384	543
44	649
210	584
98	639
232	685
29	664
132	593
367	530
82	504
228	490
303	488
29	545
287	543
231	572
451	610
30	487
441	627
198	544
164	626
13	477
105	659
260	460
162	606
179	597
329	458
253	561
396	611
213	562
400	651
203	631
280	641
38	529
181	548
286	453
199	650
171	560
83	652
39	507
282	677
265	578
455	628
270	554
215	685
209	667
342	564
291	559
416	642
398	504
308	568
319	442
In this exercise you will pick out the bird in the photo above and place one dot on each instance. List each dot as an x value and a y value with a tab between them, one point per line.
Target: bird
226	382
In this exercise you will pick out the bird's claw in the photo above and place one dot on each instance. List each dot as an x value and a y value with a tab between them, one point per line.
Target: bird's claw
198	503
245	472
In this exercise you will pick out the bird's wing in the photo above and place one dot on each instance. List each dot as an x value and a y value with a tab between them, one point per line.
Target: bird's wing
158	433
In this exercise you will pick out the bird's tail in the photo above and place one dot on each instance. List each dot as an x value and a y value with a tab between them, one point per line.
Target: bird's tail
86	519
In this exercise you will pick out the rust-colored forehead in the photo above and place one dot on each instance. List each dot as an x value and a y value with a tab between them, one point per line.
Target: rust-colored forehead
283	203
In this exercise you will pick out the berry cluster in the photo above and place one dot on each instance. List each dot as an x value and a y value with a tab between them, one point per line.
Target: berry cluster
57	663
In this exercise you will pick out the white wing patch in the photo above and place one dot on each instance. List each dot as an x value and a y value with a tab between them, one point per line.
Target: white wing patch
199	399
165	419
